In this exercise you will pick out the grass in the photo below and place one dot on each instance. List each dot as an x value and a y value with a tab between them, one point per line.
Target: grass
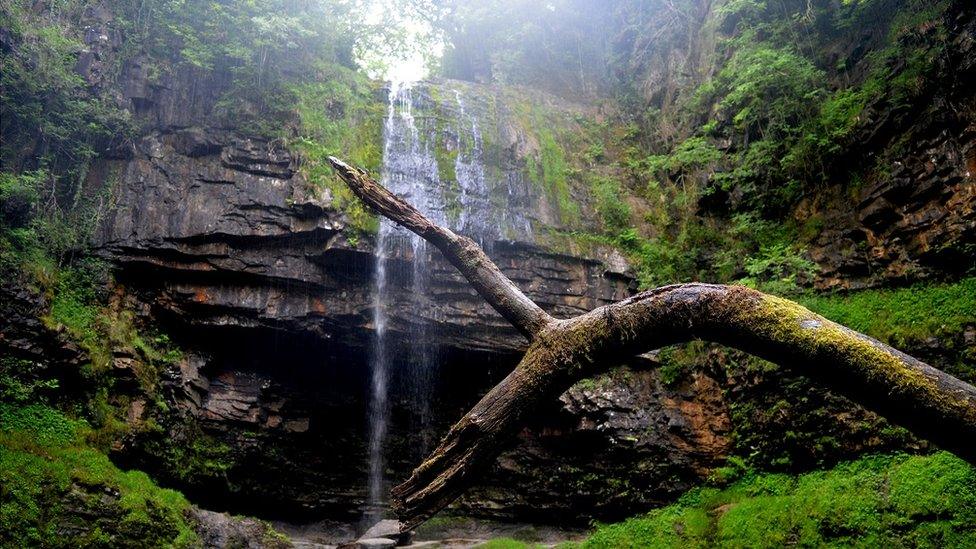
878	501
903	315
51	478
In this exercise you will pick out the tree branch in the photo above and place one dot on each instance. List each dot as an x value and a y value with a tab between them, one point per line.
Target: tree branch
933	404
496	288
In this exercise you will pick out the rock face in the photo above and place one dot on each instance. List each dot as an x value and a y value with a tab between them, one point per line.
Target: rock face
250	268
917	222
29	347
227	246
613	446
916	218
233	236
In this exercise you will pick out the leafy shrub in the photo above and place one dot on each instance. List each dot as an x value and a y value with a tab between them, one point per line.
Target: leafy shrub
614	212
19	194
21	380
777	269
45	109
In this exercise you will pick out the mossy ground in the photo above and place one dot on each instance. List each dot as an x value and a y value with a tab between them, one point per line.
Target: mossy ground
901	316
878	501
911	317
54	482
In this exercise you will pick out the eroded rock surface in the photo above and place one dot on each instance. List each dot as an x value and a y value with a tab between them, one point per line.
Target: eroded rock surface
235	237
615	445
252	270
916	217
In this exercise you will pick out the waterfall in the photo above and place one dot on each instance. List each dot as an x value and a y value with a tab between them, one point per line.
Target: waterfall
410	170
469	168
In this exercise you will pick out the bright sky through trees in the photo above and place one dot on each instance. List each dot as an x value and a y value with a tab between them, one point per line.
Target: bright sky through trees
403	45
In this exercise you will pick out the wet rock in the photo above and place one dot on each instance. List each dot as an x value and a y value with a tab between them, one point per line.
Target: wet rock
219	230
224	530
619	443
388	529
44	352
916	217
372	543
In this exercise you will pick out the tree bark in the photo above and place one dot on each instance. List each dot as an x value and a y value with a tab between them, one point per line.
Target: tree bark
931	403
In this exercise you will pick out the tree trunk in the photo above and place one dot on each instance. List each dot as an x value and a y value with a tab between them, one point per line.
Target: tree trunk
931	403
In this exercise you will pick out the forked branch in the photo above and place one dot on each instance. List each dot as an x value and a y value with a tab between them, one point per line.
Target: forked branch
931	403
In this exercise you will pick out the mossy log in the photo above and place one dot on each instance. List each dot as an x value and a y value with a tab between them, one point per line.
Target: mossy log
931	403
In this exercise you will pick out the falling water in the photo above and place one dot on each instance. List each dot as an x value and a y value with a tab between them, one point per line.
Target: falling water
410	170
469	168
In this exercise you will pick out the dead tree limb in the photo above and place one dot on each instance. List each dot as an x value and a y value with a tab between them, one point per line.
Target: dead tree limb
500	292
933	404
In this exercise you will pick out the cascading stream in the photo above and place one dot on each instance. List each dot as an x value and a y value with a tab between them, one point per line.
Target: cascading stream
410	169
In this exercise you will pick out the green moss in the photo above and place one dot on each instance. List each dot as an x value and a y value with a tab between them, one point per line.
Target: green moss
75	307
786	322
340	117
43	459
549	170
550	173
902	316
888	501
184	452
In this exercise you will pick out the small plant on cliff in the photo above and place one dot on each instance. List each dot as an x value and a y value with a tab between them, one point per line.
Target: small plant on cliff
778	269
339	115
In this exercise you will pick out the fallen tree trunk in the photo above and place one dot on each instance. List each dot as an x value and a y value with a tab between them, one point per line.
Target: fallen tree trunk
931	403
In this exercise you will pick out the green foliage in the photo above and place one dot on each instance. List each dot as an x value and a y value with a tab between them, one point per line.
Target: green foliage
777	269
759	123
23	380
74	303
274	45
340	117
897	77
47	426
550	172
766	91
610	204
693	155
36	239
766	94
19	194
49	477
677	362
903	316
47	117
876	501
184	452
